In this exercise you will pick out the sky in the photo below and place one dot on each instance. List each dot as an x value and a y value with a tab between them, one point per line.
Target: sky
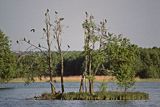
138	20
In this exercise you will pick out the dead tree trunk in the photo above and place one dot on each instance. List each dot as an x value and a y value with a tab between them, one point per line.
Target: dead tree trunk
47	31
58	31
62	70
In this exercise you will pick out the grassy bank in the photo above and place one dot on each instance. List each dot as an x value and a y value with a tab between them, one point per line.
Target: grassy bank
96	96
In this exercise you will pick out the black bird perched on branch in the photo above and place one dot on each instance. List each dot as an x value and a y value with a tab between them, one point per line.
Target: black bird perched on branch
86	14
32	30
39	45
45	14
68	46
61	19
24	39
44	29
105	21
91	17
47	10
56	12
17	42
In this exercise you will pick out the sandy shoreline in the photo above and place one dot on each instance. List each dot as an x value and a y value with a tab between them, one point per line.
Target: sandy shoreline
78	78
66	79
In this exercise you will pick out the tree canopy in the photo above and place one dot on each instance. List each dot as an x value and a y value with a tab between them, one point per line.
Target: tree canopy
7	59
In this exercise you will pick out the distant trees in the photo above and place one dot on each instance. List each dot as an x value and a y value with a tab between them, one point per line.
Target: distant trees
73	62
7	59
149	63
30	65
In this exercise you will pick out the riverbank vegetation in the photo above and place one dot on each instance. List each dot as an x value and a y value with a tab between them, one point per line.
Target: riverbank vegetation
104	54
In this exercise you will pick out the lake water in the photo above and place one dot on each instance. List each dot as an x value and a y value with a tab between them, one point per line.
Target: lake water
16	96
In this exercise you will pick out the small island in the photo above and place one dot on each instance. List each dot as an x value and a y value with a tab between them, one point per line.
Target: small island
95	96
114	55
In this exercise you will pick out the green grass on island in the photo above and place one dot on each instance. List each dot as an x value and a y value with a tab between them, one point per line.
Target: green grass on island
110	95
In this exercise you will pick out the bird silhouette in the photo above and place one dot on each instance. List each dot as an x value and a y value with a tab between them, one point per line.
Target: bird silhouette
32	30
39	45
105	21
56	12
86	14
44	29
98	29
17	42
24	39
61	19
47	10
68	46
91	17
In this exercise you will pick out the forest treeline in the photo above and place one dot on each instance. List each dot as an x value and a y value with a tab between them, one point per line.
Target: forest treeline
33	64
147	65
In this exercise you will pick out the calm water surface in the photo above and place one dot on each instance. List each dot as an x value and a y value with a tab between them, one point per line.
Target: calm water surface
16	96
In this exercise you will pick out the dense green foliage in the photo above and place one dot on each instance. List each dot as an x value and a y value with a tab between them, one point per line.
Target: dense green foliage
146	66
33	64
96	96
121	57
7	59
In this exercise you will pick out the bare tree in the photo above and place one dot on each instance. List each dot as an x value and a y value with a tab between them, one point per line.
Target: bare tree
57	35
47	30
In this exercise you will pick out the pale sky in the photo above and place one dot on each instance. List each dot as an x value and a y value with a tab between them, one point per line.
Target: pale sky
138	20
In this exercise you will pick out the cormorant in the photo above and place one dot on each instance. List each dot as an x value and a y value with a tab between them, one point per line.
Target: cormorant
32	30
56	12
24	39
17	42
39	45
68	46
